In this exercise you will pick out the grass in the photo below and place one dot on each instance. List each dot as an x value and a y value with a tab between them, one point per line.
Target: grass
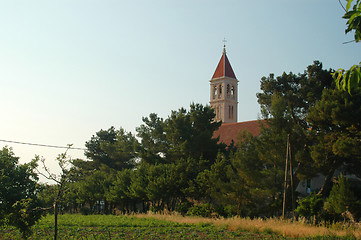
127	227
149	226
276	226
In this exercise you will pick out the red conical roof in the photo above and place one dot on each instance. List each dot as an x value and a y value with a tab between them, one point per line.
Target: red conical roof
224	68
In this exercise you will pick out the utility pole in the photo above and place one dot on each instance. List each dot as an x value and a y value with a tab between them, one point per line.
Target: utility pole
288	159
291	173
285	183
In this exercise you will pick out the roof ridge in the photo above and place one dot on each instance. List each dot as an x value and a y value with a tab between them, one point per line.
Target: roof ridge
244	122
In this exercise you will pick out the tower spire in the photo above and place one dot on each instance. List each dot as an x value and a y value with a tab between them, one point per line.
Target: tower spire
224	94
224	68
224	45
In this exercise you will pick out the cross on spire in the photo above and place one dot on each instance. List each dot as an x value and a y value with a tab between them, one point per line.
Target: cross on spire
224	45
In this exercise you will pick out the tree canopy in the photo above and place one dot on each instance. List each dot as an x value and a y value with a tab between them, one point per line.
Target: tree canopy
18	192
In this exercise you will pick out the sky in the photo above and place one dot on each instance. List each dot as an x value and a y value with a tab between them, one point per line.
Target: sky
73	67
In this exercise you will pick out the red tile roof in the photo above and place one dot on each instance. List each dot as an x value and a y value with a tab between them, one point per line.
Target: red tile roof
230	131
224	68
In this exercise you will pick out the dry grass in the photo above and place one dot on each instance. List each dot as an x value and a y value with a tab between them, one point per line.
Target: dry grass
283	227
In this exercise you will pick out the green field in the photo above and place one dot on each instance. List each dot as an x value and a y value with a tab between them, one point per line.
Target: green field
127	227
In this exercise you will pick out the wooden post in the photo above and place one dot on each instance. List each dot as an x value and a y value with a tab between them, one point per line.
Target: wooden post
285	184
291	173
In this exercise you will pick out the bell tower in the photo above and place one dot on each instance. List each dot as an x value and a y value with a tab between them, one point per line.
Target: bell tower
224	91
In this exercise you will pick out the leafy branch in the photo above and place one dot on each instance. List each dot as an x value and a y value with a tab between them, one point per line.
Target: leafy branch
350	80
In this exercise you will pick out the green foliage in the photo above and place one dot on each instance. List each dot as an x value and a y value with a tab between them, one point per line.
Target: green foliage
177	160
354	18
190	134
18	192
350	80
286	101
118	193
122	152
183	207
128	227
202	210
295	94
94	150
154	144
159	170
341	197
85	210
310	206
24	215
336	132
225	211
163	185
113	148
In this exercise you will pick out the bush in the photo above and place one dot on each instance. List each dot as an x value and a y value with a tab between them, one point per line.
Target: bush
225	211
221	211
156	209
203	210
85	211
183	208
355	209
310	206
341	200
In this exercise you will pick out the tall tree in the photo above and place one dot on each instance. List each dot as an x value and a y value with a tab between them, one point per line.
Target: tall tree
190	134
285	103
183	134
123	153
94	146
336	129
18	192
116	149
154	144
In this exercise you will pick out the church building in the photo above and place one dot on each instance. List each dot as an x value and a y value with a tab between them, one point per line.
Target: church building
224	101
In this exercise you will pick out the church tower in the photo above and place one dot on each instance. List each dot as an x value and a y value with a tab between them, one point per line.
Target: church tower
224	91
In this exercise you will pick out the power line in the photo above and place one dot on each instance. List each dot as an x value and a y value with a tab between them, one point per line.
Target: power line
42	145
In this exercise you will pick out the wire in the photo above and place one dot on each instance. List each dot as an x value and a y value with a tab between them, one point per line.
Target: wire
42	145
342	6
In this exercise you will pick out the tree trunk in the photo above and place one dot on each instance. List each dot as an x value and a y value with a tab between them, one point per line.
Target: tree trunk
55	220
327	185
239	207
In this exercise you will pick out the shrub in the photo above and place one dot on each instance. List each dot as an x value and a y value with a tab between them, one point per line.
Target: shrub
85	211
221	211
225	211
156	209
203	210
183	208
355	209
310	206
341	199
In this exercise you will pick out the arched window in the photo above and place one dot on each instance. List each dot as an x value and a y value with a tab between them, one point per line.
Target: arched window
220	91
214	92
232	91
228	90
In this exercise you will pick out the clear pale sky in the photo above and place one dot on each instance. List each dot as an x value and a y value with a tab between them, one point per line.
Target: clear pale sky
70	68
